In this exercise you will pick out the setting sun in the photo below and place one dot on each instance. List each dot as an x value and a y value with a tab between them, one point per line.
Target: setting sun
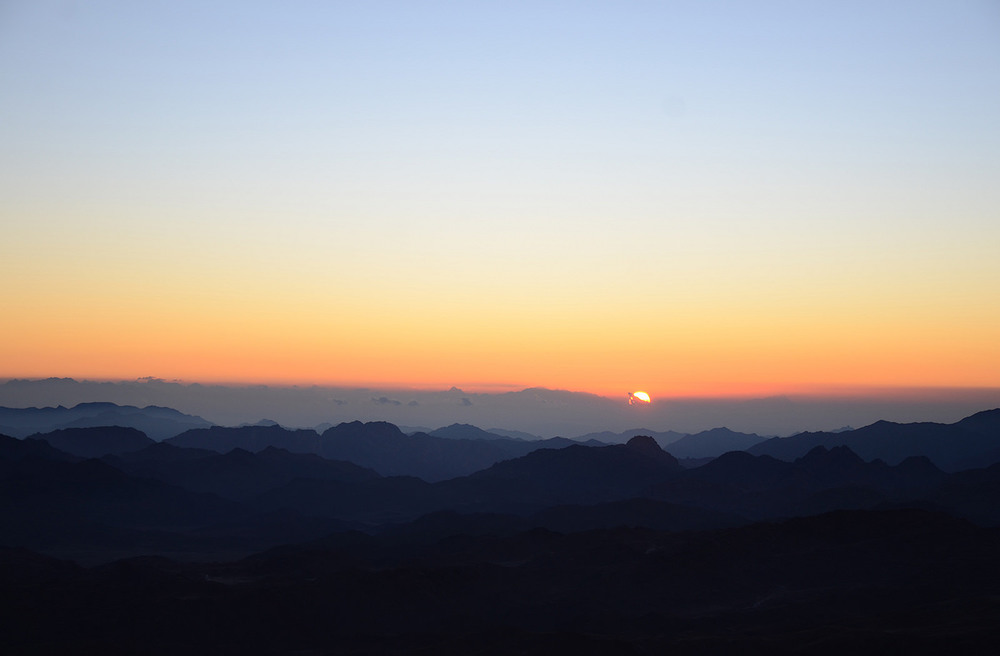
638	397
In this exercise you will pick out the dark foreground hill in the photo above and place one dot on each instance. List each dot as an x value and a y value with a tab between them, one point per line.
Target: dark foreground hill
91	510
904	581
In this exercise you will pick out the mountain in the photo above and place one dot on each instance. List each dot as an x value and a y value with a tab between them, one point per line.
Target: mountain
156	422
96	442
250	438
865	582
464	432
572	475
663	438
761	487
14	450
92	511
452	451
973	494
53	503
973	441
712	443
238	474
386	449
515	434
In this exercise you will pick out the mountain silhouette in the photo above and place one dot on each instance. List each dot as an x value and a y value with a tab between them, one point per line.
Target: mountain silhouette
199	500
14	450
386	449
712	443
97	441
901	581
238	474
824	479
663	438
250	438
971	442
464	432
572	475
156	422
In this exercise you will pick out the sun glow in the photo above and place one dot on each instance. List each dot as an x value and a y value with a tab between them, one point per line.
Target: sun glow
638	397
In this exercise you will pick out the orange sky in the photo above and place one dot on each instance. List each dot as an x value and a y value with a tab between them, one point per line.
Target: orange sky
680	202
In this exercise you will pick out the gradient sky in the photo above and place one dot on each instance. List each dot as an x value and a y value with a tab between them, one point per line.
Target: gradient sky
691	198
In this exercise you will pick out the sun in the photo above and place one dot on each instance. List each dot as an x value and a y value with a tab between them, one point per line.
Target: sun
638	398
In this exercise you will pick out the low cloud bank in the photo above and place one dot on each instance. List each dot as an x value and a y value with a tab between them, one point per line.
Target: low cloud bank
539	411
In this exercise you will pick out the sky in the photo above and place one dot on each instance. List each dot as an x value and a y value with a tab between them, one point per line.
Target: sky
687	198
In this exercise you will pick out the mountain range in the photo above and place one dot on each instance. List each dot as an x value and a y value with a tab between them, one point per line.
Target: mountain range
971	442
260	539
156	422
636	575
354	480
461	449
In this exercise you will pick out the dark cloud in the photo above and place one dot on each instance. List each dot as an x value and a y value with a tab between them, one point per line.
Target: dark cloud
465	401
385	400
413	404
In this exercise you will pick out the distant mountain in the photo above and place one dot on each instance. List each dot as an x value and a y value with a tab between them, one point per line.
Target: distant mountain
262	422
250	438
187	500
515	434
96	442
386	449
712	443
452	451
971	442
706	444
156	422
464	432
663	438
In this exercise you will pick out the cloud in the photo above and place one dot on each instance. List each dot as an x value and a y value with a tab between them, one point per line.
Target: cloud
535	410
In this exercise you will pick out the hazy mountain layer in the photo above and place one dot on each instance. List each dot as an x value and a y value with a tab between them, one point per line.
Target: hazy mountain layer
156	422
971	442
